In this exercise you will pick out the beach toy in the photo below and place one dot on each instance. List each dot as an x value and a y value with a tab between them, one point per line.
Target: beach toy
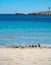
16	46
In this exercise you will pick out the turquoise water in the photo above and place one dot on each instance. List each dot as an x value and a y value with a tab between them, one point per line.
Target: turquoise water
24	32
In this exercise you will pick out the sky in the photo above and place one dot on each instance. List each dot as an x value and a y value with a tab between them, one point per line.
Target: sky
23	6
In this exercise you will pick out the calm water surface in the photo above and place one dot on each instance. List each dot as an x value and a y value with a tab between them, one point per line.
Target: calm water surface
25	29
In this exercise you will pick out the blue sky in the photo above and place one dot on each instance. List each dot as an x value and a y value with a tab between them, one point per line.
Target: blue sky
12	6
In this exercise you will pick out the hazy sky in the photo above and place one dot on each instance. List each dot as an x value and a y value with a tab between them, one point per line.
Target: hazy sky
12	6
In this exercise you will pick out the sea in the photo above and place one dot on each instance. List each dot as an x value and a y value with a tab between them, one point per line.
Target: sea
25	29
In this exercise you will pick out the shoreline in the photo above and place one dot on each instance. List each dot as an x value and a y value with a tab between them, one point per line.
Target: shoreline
27	46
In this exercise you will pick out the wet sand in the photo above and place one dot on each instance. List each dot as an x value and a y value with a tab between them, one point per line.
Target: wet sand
27	56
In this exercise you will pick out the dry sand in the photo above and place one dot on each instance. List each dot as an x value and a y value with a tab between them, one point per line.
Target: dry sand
27	56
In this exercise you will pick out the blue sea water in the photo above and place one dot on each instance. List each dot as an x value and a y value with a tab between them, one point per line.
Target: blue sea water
25	29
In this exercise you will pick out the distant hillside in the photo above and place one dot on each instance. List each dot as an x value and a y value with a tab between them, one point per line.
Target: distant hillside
41	12
35	13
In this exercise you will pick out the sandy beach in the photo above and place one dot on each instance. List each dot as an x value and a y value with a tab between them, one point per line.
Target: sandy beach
27	56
